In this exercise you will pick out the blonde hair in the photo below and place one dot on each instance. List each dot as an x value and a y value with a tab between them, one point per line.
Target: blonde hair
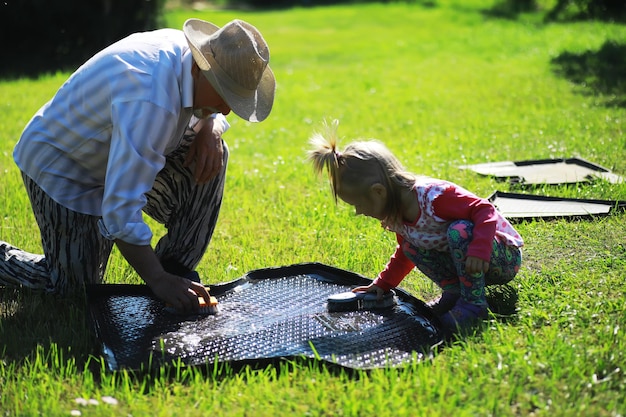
359	166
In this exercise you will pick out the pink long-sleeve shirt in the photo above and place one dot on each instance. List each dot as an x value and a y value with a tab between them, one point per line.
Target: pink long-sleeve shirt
441	203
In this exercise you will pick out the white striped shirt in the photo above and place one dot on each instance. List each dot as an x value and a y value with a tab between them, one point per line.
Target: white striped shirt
98	144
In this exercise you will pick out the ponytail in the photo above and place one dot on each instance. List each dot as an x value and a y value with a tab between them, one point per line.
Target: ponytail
324	154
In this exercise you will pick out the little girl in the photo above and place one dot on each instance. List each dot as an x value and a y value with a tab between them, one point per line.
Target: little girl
458	240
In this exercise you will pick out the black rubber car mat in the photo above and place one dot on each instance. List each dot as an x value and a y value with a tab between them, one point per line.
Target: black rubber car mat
545	171
516	206
265	315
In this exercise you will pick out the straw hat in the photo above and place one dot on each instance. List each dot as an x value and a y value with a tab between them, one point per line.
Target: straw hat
235	61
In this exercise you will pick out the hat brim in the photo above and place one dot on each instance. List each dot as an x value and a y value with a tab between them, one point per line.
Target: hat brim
197	32
253	108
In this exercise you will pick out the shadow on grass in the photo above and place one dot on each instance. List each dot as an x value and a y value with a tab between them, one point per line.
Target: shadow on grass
562	11
30	321
274	5
601	72
64	50
35	68
510	9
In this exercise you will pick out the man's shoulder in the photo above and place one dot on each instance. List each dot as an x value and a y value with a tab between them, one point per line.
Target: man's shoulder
160	38
143	53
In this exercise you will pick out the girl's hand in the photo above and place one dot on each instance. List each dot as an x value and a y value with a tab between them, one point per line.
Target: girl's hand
474	265
371	288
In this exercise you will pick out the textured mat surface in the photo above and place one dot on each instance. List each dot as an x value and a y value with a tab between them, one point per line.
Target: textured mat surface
267	314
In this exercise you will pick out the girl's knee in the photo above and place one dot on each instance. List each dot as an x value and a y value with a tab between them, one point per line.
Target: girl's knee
459	233
461	227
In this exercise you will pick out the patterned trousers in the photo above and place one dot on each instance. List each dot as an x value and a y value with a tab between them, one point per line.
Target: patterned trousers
447	269
76	253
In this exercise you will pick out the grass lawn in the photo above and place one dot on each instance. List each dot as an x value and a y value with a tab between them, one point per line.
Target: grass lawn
442	85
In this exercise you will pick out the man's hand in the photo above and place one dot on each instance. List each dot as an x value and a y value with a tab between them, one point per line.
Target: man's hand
179	292
206	151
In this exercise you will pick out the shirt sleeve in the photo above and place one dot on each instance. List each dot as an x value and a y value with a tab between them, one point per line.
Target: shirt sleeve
396	269
221	119
218	119
141	132
455	203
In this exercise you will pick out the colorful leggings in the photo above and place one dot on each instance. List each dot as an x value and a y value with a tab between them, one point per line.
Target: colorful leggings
76	253
447	269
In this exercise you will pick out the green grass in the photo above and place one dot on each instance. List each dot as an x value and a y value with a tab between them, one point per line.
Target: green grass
441	86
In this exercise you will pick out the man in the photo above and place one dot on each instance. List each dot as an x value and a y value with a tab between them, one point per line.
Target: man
135	129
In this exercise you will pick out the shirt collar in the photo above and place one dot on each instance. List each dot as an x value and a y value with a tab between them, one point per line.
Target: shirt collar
187	80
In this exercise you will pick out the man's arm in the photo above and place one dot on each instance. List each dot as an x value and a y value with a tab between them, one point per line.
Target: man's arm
179	292
206	150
